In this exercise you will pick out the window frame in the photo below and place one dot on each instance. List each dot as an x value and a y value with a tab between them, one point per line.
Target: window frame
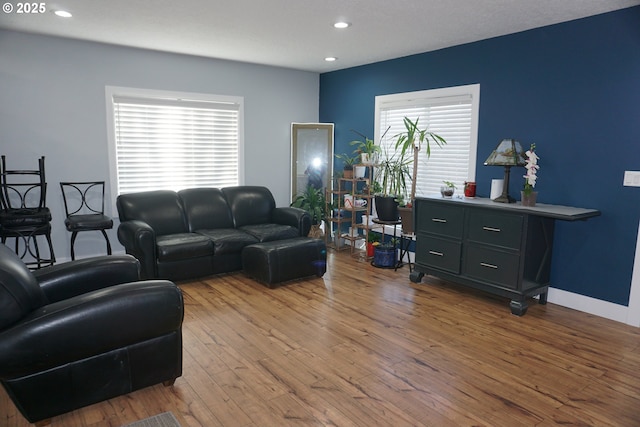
411	99
112	92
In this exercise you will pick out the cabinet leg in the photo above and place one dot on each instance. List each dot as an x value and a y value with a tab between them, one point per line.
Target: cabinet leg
543	298
416	276
519	308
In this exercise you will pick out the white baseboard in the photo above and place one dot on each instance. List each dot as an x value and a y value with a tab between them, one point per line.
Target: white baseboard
608	310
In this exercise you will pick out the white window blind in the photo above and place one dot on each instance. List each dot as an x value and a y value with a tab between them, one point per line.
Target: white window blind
452	114
173	143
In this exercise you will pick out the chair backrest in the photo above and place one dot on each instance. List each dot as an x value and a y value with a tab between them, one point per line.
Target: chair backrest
20	293
23	189
83	198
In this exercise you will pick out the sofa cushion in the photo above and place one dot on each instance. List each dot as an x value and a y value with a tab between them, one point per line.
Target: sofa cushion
179	246
250	204
206	208
270	232
228	240
161	210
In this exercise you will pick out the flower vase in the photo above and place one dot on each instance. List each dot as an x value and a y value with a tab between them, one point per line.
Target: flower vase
528	199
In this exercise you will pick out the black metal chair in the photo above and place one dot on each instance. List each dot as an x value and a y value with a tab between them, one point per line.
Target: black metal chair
84	207
24	215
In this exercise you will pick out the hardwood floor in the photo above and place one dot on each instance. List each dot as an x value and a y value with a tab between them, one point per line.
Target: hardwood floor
364	346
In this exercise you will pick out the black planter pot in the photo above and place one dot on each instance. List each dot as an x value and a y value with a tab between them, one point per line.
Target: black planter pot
387	208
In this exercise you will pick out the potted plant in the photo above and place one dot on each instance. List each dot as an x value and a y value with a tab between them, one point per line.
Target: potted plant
348	162
405	210
447	189
373	240
367	149
314	202
392	174
528	196
411	141
385	254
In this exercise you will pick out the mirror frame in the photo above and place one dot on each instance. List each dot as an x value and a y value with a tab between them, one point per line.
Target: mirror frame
295	149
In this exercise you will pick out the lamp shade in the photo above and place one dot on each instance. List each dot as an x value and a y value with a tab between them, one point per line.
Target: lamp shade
509	152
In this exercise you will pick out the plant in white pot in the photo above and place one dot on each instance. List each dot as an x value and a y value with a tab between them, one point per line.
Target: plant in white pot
367	149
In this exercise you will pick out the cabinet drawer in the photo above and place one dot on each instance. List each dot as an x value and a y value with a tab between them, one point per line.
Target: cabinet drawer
441	219
491	265
495	228
438	253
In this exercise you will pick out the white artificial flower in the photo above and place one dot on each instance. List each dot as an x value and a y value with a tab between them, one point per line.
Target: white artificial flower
531	179
533	157
531	165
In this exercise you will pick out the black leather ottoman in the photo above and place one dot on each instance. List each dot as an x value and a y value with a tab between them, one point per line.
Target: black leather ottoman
282	260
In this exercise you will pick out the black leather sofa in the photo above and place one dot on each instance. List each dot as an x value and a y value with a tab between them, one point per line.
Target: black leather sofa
81	332
202	231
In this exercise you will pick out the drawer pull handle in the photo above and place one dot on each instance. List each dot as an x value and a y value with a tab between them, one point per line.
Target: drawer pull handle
496	230
436	253
484	264
438	220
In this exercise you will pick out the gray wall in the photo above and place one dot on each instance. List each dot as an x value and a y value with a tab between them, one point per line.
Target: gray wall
52	103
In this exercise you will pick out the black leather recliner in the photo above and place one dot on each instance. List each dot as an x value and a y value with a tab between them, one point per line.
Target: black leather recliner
85	331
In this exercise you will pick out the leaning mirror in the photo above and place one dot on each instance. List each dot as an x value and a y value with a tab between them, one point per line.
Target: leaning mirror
311	156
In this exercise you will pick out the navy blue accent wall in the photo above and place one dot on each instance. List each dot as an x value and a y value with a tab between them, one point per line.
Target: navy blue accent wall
574	90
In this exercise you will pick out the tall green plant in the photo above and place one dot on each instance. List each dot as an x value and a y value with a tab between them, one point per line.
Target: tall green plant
313	201
393	173
411	141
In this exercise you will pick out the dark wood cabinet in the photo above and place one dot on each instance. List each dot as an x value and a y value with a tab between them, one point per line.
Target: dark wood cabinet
504	249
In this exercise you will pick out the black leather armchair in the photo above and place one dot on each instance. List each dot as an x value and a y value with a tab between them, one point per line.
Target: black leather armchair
84	331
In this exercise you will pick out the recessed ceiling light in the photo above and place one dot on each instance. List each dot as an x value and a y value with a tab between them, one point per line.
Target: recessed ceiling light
341	24
63	14
330	58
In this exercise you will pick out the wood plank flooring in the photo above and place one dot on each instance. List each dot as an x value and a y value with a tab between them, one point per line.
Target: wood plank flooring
366	347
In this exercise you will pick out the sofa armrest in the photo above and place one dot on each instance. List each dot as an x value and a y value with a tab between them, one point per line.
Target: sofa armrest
90	324
295	217
66	280
139	240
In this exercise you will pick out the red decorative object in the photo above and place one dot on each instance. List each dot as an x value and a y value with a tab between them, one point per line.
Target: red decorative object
469	189
370	249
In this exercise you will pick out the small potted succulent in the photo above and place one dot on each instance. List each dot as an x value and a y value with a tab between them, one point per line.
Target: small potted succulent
447	189
348	162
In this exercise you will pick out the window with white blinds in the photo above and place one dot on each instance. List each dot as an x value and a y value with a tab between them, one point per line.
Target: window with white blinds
174	141
451	113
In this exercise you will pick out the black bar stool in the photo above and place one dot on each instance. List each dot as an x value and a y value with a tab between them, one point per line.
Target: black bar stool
84	207
24	215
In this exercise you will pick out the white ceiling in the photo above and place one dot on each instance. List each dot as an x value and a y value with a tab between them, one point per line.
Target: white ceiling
299	33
